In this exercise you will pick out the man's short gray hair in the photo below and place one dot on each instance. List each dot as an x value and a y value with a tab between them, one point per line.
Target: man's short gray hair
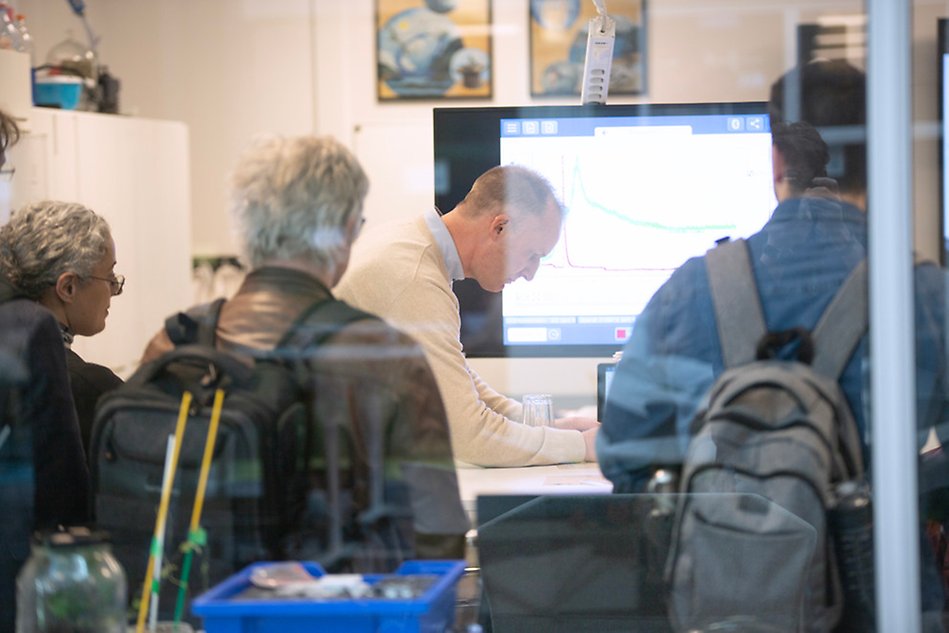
513	188
292	198
45	239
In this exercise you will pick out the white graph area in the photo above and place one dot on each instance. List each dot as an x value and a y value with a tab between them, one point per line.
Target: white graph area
640	201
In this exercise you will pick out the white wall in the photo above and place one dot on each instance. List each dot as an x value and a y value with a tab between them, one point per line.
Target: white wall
229	69
232	68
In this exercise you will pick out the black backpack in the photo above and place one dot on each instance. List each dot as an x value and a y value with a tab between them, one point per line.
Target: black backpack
257	493
771	446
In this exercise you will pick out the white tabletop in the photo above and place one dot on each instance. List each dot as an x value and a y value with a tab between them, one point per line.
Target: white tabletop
576	479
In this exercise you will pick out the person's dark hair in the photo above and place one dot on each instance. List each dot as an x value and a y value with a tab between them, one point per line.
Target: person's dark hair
9	131
804	152
831	96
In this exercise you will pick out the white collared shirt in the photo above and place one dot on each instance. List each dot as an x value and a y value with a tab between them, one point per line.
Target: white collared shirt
445	244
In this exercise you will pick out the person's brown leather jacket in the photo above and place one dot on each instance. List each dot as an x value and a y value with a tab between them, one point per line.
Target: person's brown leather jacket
374	381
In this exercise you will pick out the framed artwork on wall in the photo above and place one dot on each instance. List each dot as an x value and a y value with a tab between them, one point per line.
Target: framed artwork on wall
433	49
558	40
841	37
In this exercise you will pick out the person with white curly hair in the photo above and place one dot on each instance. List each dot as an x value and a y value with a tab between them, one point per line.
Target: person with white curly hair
297	206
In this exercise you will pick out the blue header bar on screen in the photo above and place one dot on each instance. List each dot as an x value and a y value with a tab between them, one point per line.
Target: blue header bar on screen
588	126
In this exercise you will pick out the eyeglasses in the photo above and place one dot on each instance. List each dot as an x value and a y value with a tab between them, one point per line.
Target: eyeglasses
6	173
116	283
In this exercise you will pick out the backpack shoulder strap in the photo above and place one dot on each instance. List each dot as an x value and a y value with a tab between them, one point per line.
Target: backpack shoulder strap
842	325
738	311
195	326
313	327
320	321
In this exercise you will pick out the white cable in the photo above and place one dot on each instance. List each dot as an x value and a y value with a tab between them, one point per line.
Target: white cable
600	7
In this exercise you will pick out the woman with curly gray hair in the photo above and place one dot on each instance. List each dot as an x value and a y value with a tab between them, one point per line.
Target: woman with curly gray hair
61	255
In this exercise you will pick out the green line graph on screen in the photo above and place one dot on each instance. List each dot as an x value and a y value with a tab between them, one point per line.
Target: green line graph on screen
621	220
639	204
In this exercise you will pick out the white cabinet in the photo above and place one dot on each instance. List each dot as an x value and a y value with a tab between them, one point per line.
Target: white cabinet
15	94
133	172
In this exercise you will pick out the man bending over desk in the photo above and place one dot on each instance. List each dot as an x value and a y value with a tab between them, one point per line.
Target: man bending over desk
508	221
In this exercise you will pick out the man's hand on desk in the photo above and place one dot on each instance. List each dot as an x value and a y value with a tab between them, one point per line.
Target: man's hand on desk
587	426
576	423
589	438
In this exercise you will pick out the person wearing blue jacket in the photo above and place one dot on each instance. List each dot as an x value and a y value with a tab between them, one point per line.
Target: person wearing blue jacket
816	235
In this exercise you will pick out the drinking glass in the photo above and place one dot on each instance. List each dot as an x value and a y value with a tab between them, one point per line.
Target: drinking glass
538	409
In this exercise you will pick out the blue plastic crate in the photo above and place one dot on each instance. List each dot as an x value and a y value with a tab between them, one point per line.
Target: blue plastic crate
433	612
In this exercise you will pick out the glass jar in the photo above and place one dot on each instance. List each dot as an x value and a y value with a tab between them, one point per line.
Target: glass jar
71	582
73	56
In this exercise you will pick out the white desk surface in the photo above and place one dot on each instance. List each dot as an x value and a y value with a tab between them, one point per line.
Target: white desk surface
576	479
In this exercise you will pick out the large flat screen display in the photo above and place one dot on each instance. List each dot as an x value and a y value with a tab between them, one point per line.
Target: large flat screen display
645	188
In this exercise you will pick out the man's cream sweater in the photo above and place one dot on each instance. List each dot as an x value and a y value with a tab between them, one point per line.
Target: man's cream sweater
399	274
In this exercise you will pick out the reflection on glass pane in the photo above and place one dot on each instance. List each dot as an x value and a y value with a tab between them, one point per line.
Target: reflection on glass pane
800	196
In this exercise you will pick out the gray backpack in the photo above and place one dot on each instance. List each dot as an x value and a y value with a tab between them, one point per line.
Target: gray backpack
751	545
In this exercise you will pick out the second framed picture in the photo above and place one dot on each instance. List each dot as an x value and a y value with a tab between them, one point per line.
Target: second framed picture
558	40
433	49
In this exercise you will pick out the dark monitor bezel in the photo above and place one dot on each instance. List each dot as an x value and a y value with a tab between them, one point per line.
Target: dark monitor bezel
601	370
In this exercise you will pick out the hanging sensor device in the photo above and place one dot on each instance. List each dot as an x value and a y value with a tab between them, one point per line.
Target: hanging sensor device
599	57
